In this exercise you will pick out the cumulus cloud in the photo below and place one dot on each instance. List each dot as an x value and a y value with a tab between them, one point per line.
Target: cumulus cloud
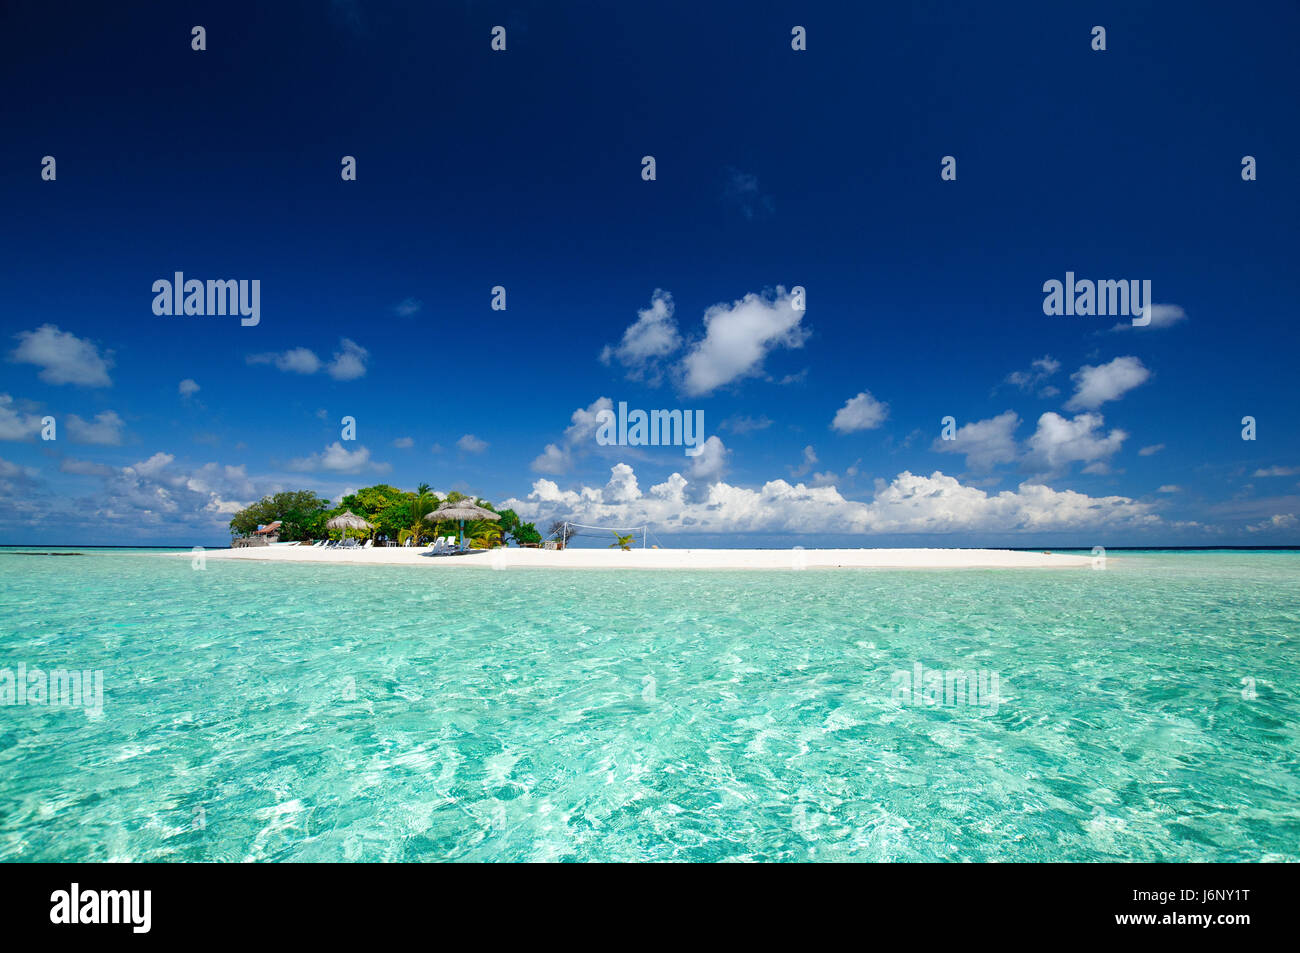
1040	370
912	503
471	444
1278	521
187	388
737	337
1059	441
553	459
558	457
1094	386
14	424
159	492
809	461
711	461
105	429
336	459
985	443
1162	316
63	357
404	443
862	412
349	361
298	360
648	341
1151	450
10	471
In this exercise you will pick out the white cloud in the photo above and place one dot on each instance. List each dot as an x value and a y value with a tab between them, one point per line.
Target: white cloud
809	461
1278	472
1058	441
558	457
105	430
156	491
407	307
63	357
349	361
1151	450
1096	385
298	360
471	444
1040	370
553	459
9	471
187	388
1162	316
1170	488
910	504
737	338
984	442
15	425
647	341
711	462
336	459
862	412
622	486
1277	522
404	443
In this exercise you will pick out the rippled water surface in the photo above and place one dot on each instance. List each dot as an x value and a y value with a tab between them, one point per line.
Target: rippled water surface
304	712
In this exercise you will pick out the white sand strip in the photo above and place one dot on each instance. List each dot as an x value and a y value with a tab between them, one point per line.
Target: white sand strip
786	559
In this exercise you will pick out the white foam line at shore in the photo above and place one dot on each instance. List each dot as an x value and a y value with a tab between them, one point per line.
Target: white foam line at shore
768	559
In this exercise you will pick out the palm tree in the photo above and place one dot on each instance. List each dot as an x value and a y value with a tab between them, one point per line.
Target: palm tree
421	506
623	542
484	532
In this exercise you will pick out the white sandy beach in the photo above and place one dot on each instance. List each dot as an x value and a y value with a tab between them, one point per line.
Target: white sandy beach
786	559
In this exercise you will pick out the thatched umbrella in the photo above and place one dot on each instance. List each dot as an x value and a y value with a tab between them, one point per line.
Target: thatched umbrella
348	520
462	510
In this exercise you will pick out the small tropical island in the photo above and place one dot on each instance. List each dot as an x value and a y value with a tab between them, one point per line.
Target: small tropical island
385	515
385	525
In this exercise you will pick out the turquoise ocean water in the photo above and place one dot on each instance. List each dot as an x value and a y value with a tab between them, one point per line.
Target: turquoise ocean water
320	713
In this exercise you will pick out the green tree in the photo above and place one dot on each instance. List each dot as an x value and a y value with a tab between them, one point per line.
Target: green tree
623	542
514	528
415	513
300	505
369	501
299	524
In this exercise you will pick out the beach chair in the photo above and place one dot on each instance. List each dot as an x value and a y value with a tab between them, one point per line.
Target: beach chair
369	543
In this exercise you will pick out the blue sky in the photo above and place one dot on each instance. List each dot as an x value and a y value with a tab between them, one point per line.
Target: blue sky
774	169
